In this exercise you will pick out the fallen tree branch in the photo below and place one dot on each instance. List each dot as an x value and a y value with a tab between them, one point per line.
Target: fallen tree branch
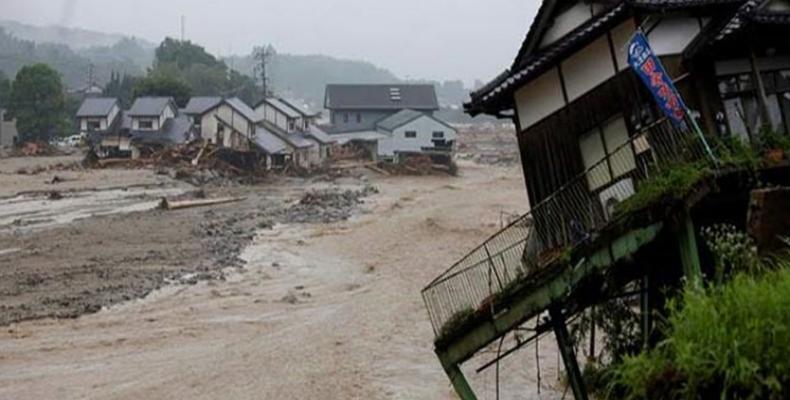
178	205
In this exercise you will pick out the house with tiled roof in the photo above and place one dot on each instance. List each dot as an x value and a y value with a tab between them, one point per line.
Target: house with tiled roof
309	145
227	122
598	139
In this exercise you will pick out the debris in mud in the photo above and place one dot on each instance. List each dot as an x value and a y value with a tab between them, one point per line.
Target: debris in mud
196	163
166	204
54	195
290	298
328	205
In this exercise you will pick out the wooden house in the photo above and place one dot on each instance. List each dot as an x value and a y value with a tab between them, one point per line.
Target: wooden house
575	101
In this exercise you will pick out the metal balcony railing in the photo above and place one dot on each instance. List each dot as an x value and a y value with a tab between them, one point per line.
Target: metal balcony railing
558	224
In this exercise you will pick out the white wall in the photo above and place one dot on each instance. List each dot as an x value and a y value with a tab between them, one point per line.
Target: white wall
673	34
209	125
621	34
169	112
424	127
588	68
539	98
567	21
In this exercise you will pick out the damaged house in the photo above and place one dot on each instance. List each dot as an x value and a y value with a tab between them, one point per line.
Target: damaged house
388	120
293	132
589	134
225	122
151	123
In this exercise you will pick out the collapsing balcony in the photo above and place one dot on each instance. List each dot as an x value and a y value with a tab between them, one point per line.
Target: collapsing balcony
532	265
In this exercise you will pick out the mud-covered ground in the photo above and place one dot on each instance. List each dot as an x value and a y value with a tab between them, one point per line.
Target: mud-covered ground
307	289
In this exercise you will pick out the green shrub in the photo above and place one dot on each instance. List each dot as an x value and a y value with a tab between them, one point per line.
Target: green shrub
673	183
730	341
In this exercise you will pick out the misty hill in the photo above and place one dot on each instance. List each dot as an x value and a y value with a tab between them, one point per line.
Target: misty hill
72	51
125	56
73	37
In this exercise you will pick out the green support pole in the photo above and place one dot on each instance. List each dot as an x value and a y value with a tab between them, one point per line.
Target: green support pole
644	306
689	255
568	356
459	382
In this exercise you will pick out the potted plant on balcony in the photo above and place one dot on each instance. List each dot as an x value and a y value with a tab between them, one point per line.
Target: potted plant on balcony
774	145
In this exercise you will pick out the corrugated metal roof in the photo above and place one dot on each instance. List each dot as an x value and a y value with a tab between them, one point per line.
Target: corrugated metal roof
242	108
150	106
174	131
96	107
199	105
283	107
381	97
269	142
319	135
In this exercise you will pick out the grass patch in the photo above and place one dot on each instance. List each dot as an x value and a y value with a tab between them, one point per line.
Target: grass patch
457	323
673	183
729	342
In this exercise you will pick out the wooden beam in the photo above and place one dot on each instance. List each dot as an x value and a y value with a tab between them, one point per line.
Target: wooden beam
565	345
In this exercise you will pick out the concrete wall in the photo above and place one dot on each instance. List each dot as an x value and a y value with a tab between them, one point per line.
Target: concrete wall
424	128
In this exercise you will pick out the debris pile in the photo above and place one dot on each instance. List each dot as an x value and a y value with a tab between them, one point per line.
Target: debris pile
197	163
328	205
418	164
36	149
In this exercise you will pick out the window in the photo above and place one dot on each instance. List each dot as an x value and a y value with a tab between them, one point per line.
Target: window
93	125
145	124
345	118
307	124
359	118
291	125
410	134
742	109
607	142
438	135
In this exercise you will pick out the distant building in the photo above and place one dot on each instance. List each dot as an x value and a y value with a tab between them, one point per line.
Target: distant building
388	120
354	108
410	131
8	131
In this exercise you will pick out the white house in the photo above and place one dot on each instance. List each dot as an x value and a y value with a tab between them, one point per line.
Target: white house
150	113
226	122
98	114
411	131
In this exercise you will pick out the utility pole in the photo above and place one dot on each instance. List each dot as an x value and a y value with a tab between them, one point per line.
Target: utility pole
183	27
263	56
91	77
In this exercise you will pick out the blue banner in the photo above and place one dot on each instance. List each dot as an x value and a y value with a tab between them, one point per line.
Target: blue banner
648	66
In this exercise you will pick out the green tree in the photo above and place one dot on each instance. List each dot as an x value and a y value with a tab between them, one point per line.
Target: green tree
5	89
121	88
37	100
160	84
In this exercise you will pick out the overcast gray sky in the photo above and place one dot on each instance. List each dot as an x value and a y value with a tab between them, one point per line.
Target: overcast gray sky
433	39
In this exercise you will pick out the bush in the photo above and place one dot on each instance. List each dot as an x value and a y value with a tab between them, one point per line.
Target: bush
673	183
729	341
